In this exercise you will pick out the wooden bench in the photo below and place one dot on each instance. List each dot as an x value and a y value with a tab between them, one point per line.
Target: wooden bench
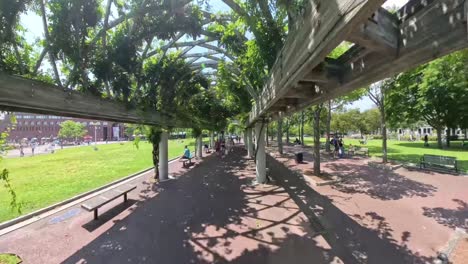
440	162
358	151
95	203
185	161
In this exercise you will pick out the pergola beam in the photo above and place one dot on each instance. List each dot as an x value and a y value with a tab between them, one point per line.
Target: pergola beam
426	31
200	55
380	32
24	95
325	24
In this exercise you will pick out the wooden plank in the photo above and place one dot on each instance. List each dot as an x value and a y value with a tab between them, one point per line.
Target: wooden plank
325	25
434	31
25	95
380	32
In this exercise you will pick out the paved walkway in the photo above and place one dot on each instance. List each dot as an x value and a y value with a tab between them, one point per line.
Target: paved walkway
403	216
210	214
44	149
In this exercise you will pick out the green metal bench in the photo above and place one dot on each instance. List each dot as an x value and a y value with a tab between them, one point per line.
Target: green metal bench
439	162
93	204
358	151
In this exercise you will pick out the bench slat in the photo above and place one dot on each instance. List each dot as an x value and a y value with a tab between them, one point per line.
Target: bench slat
106	197
439	161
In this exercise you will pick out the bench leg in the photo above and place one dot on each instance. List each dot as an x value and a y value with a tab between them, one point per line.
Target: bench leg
125	197
96	214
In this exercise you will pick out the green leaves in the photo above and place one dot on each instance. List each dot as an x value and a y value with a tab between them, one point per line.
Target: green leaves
71	130
436	93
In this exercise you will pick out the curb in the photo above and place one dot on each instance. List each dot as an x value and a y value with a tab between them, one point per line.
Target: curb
19	219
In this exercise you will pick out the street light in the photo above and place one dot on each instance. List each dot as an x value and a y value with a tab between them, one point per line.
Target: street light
95	124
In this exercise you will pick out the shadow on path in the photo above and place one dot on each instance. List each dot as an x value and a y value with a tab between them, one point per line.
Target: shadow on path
350	241
211	214
452	218
378	183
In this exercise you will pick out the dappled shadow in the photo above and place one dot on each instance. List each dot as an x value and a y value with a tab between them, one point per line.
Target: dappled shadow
108	215
349	240
212	214
377	183
452	218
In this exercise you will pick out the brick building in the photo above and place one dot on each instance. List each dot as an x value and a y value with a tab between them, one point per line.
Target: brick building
47	126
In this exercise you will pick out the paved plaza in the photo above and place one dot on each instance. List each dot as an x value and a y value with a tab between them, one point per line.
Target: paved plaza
212	213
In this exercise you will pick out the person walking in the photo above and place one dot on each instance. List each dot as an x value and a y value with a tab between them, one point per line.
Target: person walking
341	146
426	141
33	147
336	147
21	150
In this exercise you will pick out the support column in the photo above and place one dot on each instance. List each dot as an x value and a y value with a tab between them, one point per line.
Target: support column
200	146
250	148
163	157
260	159
245	139
280	133
211	139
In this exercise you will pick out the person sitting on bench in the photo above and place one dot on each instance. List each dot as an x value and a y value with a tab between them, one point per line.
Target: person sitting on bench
187	154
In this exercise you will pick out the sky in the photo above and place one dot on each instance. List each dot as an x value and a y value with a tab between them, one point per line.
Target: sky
33	24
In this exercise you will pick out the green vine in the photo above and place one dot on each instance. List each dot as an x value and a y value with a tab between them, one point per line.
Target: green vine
4	174
154	136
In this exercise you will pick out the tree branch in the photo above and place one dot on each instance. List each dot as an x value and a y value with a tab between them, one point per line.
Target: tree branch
39	61
47	36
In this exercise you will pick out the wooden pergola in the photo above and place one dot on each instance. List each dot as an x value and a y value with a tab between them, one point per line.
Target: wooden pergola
384	44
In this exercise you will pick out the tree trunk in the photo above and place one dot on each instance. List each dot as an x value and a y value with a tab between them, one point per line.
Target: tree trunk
317	140
280	135
439	137
267	141
327	143
302	128
156	160
383	126
287	131
449	133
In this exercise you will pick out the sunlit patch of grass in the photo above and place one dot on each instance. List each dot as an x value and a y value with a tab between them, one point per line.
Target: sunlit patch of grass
409	151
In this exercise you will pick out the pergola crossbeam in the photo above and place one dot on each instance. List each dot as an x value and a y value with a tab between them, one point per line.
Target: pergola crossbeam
325	24
385	45
24	95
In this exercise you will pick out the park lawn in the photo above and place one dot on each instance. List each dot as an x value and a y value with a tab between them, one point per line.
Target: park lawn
43	180
409	151
9	259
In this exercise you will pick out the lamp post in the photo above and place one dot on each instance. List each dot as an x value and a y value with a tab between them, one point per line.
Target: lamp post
95	124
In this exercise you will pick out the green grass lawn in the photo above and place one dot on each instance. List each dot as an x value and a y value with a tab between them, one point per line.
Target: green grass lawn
43	180
409	151
9	259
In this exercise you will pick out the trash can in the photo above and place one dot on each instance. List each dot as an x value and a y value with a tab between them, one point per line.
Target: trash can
299	157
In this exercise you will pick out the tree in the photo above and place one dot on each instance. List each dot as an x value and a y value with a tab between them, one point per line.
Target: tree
317	109
371	119
339	103
71	130
435	92
377	93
